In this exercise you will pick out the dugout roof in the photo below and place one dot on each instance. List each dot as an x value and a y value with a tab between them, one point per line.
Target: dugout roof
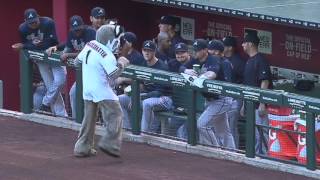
300	13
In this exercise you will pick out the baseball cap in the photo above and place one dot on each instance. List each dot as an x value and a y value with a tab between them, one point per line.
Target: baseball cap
199	44
130	37
170	20
98	12
229	41
216	45
148	44
181	47
252	37
30	15
76	22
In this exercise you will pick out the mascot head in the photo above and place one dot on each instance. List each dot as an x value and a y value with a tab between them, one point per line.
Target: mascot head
109	35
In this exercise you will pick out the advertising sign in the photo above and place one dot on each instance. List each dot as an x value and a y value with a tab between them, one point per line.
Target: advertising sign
298	47
218	30
187	28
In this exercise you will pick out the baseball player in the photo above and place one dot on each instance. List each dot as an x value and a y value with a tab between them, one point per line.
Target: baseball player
98	66
230	44
163	48
38	33
154	96
78	36
127	43
182	58
213	123
168	25
257	73
216	48
97	17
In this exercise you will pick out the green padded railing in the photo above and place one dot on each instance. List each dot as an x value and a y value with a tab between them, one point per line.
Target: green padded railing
250	96
26	58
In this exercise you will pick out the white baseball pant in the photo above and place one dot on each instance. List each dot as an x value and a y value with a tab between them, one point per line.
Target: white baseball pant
54	78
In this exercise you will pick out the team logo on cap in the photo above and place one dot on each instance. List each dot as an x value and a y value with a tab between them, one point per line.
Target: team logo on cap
75	23
148	44
101	11
179	46
195	43
30	15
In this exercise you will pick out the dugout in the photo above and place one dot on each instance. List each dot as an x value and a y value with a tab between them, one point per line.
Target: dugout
215	23
289	31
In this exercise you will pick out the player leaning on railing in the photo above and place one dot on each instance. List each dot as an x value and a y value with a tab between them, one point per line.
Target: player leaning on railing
39	33
213	123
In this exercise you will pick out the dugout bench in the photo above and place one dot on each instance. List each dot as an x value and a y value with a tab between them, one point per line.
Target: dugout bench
181	104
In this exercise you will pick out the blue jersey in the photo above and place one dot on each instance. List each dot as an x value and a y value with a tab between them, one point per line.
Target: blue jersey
256	70
163	56
77	43
135	58
45	33
175	40
174	65
238	68
150	86
227	69
212	63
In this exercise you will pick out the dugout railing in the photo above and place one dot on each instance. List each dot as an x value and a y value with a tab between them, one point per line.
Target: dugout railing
249	95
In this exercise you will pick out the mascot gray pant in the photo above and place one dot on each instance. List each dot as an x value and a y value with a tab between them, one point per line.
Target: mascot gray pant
112	116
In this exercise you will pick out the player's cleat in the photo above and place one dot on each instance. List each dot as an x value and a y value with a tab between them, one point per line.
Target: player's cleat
45	108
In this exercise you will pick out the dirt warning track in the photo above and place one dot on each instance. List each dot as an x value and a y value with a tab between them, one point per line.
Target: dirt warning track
33	151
